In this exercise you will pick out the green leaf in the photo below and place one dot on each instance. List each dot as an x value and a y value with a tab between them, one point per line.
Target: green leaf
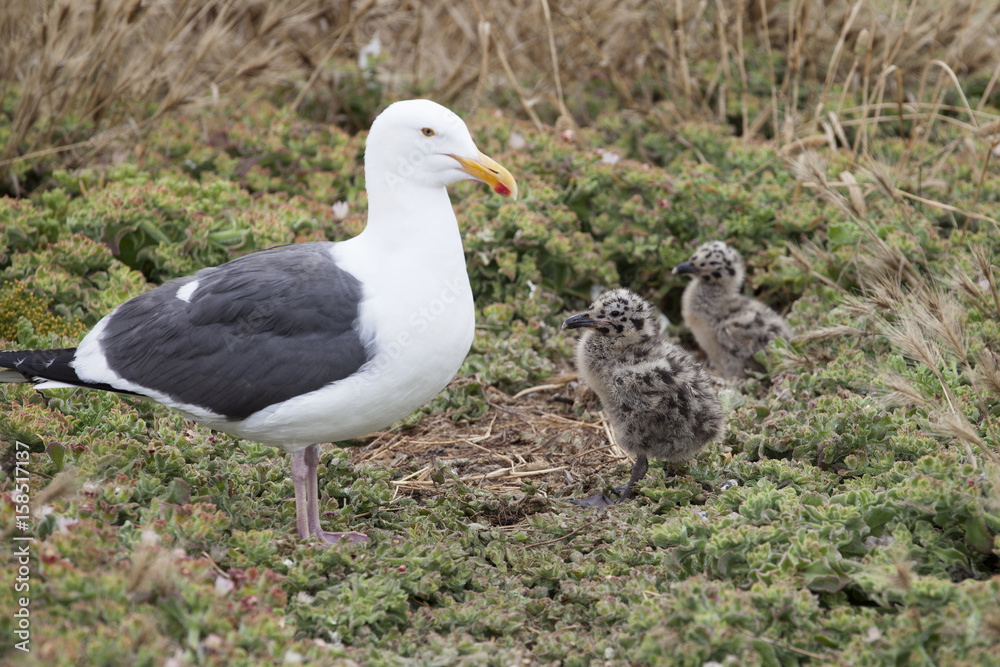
978	535
841	234
56	452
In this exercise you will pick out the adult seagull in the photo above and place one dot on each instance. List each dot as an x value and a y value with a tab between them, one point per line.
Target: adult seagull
310	343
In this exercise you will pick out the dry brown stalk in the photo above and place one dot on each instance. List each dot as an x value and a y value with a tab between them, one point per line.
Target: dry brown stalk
555	59
586	524
838	129
483	29
954	426
801	144
831	70
827	333
989	130
958	86
542	387
802	255
684	68
512	78
948	207
902	392
741	60
927	324
334	48
722	20
987	374
981	257
811	172
989	87
857	197
907	336
153	567
863	50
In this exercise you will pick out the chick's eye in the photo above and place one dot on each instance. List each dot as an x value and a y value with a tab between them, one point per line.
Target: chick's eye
427	132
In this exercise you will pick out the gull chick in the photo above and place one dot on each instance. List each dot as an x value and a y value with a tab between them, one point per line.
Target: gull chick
729	326
659	400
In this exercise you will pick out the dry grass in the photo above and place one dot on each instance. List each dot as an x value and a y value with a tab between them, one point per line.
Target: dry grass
79	78
548	54
921	315
924	321
91	74
528	436
924	324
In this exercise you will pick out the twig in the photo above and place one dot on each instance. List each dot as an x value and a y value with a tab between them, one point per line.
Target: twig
541	387
557	418
569	534
555	58
528	109
744	80
947	207
495	474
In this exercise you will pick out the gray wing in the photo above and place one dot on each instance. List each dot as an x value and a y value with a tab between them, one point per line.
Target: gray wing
257	331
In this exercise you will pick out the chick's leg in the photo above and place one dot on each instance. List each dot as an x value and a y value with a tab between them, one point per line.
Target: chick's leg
639	470
600	500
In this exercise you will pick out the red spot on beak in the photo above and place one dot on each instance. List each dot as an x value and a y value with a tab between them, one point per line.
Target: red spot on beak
501	189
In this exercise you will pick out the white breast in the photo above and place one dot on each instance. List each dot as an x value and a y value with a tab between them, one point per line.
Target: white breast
419	328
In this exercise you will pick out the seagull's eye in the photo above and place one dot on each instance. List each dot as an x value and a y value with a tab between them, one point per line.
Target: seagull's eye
427	132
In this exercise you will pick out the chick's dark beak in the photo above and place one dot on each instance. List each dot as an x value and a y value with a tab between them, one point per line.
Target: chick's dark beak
580	321
685	267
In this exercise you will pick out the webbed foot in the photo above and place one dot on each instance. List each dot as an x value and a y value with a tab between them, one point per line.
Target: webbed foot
334	538
598	501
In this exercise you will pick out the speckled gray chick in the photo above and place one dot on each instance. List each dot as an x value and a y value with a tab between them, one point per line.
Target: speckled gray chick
659	399
729	326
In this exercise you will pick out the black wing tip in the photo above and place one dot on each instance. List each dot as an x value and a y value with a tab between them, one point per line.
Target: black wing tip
52	364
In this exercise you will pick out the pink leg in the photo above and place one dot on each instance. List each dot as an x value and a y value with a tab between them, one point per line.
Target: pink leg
300	475
310	461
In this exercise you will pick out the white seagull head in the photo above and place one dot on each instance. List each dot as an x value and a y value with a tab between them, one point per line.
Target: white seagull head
421	142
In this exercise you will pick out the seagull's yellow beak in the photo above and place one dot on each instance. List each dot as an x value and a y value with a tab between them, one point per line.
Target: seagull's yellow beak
486	169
